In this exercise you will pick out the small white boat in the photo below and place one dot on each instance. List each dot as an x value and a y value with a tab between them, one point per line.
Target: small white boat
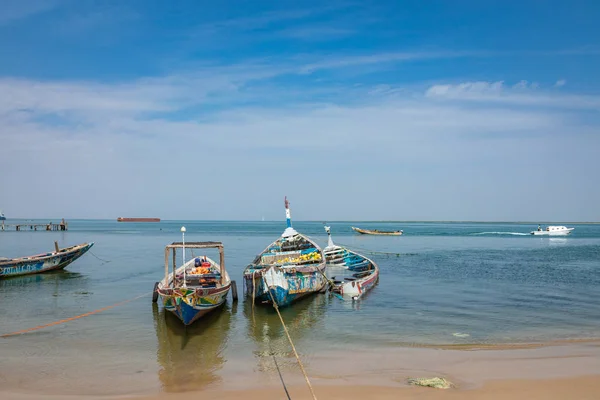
552	230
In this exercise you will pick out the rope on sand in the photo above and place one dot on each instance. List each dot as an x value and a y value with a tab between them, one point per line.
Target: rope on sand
62	321
290	340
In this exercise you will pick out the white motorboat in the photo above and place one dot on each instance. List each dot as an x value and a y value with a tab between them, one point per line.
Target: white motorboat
552	230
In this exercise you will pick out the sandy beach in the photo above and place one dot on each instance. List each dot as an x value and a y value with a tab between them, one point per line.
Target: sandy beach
555	371
581	388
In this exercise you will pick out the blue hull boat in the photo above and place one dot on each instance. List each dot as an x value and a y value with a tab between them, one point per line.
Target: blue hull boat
39	263
290	268
197	287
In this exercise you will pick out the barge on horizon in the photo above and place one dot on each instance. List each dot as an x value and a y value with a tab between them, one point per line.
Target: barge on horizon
121	219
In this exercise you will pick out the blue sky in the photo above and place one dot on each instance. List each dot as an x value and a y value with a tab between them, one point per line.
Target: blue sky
396	110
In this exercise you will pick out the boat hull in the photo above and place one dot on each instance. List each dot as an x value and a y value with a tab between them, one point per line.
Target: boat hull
285	285
357	288
190	304
42	263
121	219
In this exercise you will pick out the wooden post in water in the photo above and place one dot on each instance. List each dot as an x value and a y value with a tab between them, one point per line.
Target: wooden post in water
167	265
56	246
222	263
174	263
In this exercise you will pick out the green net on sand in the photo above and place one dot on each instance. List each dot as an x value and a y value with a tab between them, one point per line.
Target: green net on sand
438	383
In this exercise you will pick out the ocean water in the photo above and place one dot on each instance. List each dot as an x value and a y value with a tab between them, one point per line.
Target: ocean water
440	283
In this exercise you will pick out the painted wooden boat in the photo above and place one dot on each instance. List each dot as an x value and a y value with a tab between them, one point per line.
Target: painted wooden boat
354	273
377	232
197	287
291	267
44	262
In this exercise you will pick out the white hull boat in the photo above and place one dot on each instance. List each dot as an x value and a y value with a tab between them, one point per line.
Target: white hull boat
552	231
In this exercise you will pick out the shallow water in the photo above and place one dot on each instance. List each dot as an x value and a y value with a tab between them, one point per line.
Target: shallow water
441	283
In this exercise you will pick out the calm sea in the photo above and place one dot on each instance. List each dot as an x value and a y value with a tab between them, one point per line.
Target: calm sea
441	283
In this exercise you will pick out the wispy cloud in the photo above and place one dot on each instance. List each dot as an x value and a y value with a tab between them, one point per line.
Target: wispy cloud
334	62
522	93
266	19
123	130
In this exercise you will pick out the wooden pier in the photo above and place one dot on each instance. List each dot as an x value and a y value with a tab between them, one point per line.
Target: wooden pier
61	226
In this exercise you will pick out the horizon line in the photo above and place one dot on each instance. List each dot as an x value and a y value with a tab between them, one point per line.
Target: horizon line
330	221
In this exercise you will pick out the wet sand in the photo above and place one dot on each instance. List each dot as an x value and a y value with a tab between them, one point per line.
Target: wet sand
565	371
581	388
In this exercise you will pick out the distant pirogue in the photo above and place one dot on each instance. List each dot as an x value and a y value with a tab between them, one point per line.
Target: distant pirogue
377	232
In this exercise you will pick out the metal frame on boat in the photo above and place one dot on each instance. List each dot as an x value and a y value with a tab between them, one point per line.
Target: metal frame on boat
364	271
377	232
44	262
197	287
288	269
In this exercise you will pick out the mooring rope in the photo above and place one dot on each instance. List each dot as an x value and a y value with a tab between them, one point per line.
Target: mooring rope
290	339
376	252
279	371
104	261
268	342
62	321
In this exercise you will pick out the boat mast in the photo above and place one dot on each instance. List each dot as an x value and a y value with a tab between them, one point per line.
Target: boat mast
289	231
183	252
288	215
329	240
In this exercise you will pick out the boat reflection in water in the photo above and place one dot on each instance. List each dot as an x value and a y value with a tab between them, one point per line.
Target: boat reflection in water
304	321
41	281
190	357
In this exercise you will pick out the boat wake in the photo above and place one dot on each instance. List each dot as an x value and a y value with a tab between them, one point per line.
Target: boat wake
502	233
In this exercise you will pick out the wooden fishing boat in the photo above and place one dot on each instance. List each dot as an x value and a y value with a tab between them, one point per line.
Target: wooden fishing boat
354	273
197	287
44	262
377	232
290	268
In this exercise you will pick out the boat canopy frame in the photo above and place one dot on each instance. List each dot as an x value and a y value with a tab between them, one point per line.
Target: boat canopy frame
193	245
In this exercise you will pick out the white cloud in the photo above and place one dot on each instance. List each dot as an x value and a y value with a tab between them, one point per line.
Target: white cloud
131	138
522	93
560	82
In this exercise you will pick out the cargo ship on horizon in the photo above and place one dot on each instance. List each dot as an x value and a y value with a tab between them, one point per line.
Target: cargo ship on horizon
121	219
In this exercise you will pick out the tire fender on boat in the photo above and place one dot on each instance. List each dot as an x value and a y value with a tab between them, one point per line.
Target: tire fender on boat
234	293
155	293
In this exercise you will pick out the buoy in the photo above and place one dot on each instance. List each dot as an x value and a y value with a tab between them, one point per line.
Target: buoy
234	293
155	293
